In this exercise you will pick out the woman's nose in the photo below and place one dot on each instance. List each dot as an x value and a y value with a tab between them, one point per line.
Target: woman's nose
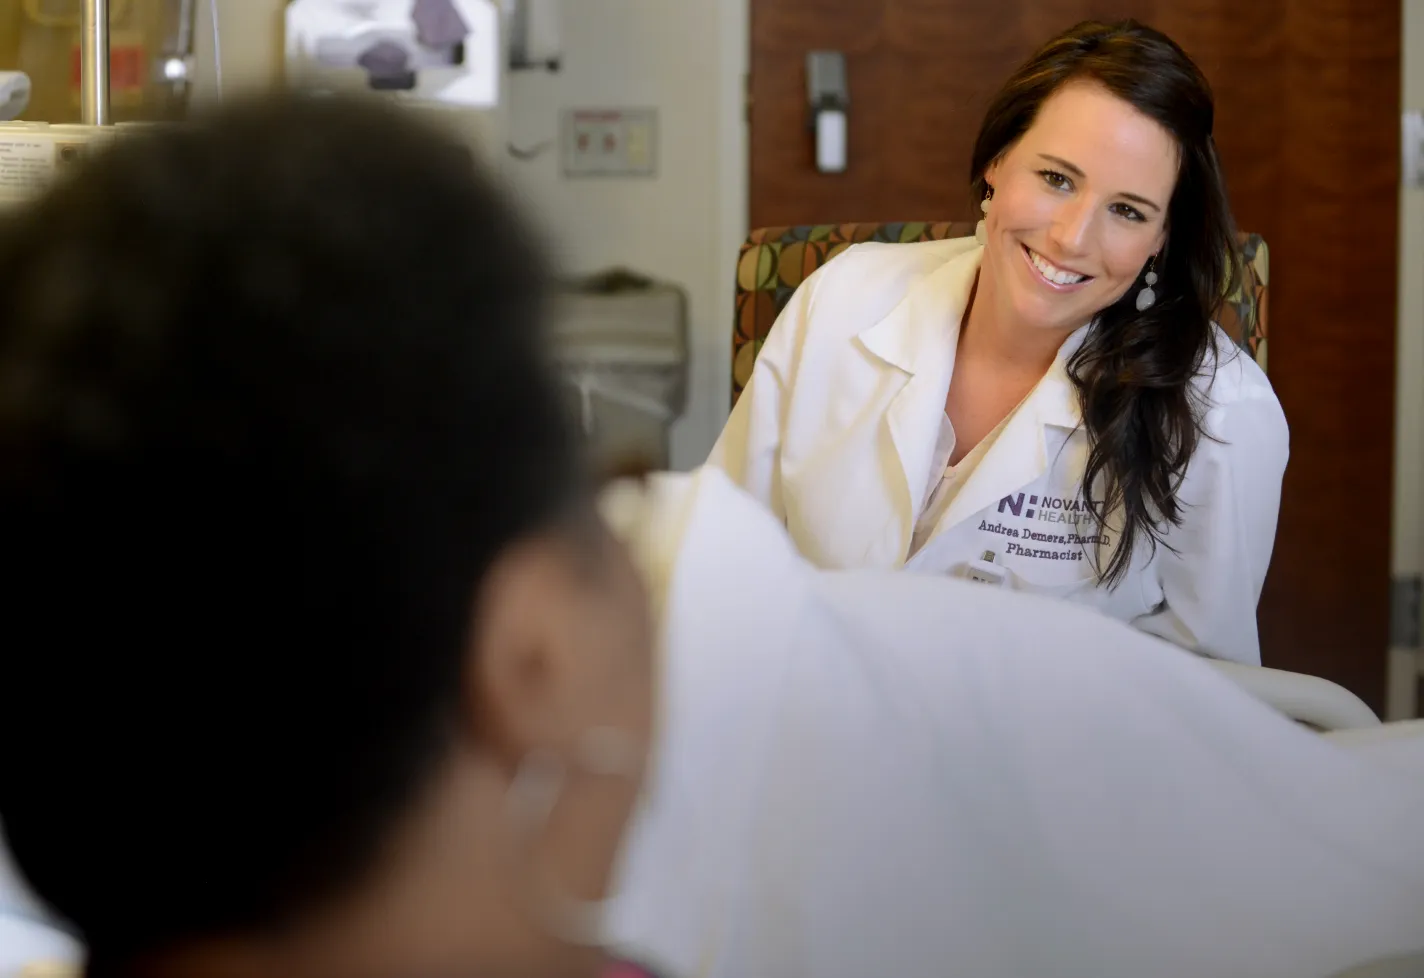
1072	226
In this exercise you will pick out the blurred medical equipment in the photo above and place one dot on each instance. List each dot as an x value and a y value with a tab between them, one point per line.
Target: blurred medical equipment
621	341
447	51
33	153
14	94
445	57
150	56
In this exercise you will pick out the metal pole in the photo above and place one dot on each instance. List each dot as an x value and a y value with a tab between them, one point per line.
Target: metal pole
94	63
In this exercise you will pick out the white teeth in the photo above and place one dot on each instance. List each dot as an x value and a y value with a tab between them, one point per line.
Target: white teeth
1052	272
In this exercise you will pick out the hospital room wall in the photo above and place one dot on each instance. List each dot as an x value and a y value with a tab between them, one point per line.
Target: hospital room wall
683	224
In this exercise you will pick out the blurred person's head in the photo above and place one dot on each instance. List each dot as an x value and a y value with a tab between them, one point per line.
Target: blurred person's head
318	659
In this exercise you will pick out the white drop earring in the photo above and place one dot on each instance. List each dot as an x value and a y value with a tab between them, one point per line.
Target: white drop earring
1146	297
981	233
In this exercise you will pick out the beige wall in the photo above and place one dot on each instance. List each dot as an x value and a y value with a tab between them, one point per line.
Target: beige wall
683	225
636	53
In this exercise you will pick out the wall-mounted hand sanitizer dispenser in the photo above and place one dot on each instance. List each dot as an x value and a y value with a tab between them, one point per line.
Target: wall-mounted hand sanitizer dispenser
828	98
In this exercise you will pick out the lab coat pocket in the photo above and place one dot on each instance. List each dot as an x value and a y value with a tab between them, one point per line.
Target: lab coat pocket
1056	572
1071	572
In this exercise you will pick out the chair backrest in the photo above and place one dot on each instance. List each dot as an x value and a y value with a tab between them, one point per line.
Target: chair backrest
774	261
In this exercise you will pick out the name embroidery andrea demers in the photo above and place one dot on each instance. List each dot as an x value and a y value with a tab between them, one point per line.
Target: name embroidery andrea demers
1063	529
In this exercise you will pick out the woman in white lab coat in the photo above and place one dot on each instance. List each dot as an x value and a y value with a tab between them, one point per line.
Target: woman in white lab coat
1047	406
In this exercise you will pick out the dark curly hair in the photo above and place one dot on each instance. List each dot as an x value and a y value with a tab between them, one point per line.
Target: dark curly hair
275	393
1134	371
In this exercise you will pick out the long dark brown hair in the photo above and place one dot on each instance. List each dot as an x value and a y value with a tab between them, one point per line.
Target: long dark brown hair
1133	373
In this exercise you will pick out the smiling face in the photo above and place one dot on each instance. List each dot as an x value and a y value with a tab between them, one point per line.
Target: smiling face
1079	206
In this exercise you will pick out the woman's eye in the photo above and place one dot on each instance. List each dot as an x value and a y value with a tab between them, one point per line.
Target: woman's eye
1129	212
1054	179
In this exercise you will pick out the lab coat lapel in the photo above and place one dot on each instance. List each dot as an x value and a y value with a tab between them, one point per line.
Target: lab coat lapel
1020	455
918	338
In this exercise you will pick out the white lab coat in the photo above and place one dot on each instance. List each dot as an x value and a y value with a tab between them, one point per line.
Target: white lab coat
836	431
877	773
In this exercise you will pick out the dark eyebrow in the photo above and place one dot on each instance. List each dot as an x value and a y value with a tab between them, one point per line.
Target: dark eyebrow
1074	171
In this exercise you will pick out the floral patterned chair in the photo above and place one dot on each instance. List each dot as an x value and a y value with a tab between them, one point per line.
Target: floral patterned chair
774	261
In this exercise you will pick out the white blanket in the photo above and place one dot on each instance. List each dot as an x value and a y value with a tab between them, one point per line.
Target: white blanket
893	774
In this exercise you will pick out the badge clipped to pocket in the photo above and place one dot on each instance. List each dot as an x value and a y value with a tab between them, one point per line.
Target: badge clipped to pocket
985	571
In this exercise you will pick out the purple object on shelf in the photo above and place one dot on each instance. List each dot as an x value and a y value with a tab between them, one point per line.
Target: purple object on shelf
387	66
385	58
438	24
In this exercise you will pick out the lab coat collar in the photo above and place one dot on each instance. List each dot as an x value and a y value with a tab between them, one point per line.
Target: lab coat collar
919	337
920	334
1021	453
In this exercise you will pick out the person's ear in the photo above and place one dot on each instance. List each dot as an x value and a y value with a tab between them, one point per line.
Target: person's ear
527	673
994	170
